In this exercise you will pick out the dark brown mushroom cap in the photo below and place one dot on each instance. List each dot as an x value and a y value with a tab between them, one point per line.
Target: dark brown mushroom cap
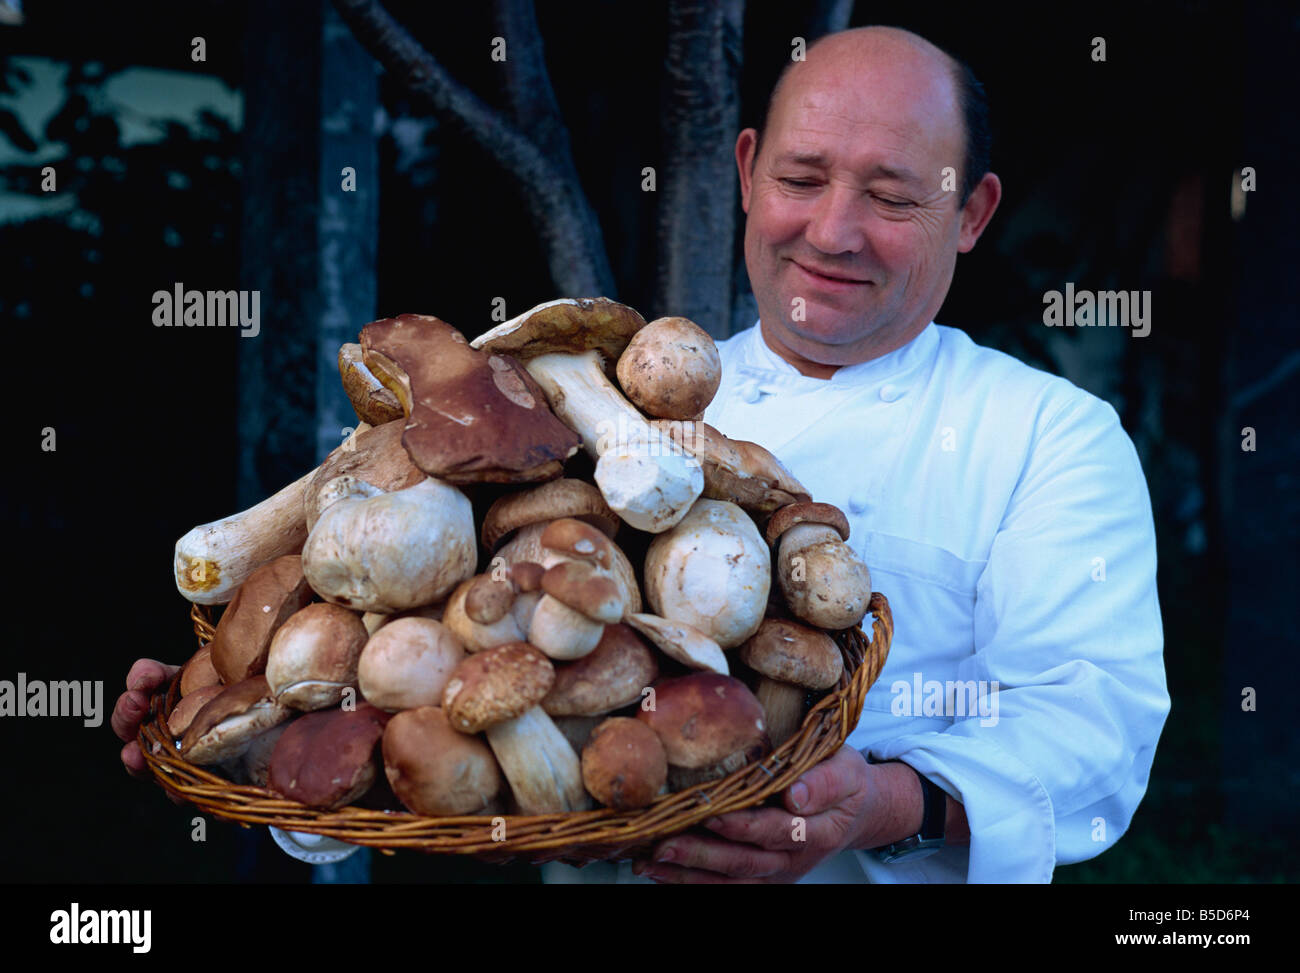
789	652
624	764
609	677
565	327
226	724
582	542
496	685
326	759
549	501
808	512
472	417
704	717
436	771
262	604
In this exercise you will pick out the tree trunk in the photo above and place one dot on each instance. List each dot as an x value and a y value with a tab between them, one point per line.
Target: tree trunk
697	204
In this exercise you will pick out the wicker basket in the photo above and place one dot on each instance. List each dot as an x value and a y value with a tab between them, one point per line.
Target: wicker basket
576	838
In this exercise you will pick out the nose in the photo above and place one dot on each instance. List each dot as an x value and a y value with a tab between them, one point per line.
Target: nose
836	224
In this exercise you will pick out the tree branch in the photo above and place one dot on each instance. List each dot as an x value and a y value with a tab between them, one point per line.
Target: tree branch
828	16
550	188
528	83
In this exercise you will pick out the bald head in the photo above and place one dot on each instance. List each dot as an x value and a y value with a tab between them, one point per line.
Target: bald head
876	58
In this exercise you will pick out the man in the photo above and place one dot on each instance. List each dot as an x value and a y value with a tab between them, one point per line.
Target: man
1001	510
981	493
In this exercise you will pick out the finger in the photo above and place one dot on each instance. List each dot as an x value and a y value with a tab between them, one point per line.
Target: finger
828	784
148	674
674	875
706	853
133	760
128	714
770	828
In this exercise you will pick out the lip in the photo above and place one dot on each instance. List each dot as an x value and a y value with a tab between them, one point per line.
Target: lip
828	282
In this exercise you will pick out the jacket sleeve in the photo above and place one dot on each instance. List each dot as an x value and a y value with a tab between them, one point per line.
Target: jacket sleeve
1067	624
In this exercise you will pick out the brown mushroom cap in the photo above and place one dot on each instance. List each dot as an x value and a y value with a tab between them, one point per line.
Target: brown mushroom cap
436	771
793	653
623	764
471	417
549	501
564	327
183	713
199	671
370	400
735	469
586	589
703	718
223	728
670	369
262	604
377	457
407	663
496	685
611	676
327	759
488	599
807	512
313	656
582	542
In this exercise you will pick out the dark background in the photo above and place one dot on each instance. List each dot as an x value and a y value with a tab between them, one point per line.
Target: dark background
1116	175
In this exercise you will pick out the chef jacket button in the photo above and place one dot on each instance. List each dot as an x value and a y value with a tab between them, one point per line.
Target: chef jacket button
750	391
858	503
889	393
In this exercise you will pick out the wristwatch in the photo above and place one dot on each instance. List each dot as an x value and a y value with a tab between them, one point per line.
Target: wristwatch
930	838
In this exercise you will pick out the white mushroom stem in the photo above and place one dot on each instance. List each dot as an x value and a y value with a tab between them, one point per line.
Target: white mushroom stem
544	772
647	480
561	632
782	708
214	559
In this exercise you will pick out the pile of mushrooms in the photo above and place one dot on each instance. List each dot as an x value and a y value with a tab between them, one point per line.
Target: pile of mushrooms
531	580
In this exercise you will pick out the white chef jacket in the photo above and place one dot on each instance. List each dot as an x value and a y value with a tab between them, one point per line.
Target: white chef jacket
1004	514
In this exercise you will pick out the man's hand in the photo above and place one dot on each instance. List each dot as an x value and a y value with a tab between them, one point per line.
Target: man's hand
132	708
843	802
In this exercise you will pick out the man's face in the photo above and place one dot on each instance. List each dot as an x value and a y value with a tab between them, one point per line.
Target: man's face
851	238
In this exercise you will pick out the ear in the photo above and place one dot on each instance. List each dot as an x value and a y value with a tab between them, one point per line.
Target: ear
745	147
979	209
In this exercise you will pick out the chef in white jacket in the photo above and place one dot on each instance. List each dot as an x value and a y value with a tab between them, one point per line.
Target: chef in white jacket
1001	510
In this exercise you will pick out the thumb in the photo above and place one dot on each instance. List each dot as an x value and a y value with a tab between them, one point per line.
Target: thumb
826	785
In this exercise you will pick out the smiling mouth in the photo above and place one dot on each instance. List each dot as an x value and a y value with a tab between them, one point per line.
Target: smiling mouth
824	275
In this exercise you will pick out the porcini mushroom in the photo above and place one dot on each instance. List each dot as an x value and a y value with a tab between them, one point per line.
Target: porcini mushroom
327	759
224	727
471	417
823	581
436	771
623	764
670	369
313	657
709	724
565	346
497	692
680	641
391	552
711	571
264	602
734	469
613	675
212	560
790	659
407	663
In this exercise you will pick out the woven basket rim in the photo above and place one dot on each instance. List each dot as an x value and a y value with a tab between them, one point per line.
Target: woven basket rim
575	837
